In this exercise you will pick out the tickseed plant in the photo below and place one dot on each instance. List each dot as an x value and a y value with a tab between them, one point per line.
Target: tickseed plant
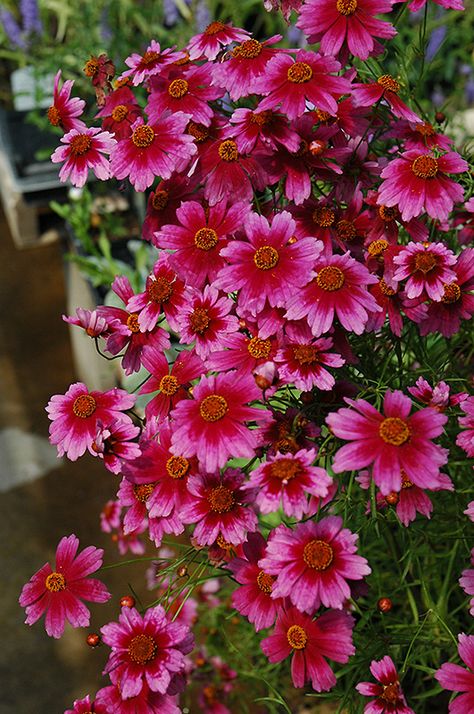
299	461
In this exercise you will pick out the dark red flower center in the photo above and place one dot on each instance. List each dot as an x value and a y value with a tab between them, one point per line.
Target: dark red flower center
119	112
178	88
250	49
330	278
323	216
389	83
142	649
54	116
55	582
143	136
386	289
387	213
84	406
213	407
214	28
425	166
265	582
228	150
392	498
346	230
132	322
297	637
346	7
91	67
266	257
221	499
318	554
206	238
377	247
199	320
425	129
143	491
159	290
198	131
80	144
391	692
160	200
285	469
259	348
425	261
299	72
452	293
177	466
305	354
394	431
169	385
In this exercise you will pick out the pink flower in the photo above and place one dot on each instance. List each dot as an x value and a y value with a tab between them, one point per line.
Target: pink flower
416	5
64	111
248	61
270	266
206	321
346	23
465	439
390	698
244	353
466	581
215	36
257	129
153	150
150	63
147	702
386	88
163	202
470	511
390	442
85	706
83	150
438	396
91	321
286	479
340	288
146	650
313	563
218	508
119	112
76	416
427	267
417	182
212	425
311	641
113	444
110	516
301	359
457	679
59	593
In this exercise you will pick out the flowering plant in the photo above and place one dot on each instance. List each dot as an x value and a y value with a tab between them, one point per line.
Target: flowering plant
312	271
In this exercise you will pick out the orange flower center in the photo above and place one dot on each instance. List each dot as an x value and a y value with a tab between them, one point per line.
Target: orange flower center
169	385
425	129
54	116
265	582
266	257
142	649
149	57
323	217
377	247
387	213
177	466
214	28
330	278
225	545
80	144
395	431
55	582
159	290
391	692
198	131
132	322
178	88
299	72
143	136
91	67
452	293
285	469
221	499
346	7
425	166
318	554
322	116
143	491
261	118
297	637
213	407
248	49
206	238
425	261
160	200
346	230
386	289
228	150
306	354
259	348
84	406
119	112
199	320
184	60
406	483
392	498
389	83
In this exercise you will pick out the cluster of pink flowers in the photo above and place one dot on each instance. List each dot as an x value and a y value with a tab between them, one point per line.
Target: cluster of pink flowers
280	236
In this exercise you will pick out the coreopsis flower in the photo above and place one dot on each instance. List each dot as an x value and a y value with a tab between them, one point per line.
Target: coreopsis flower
216	36
59	593
345	24
150	63
384	224
146	650
458	679
243	353
311	642
286	479
84	149
153	150
339	289
419	135
465	438
438	396
76	415
270	265
389	694
198	238
393	302
147	702
94	324
64	111
256	129
386	88
206	321
418	182
119	112
248	62
470	511
110	516
113	443
291	83
427	268
253	599
134	498
100	71
416	5
218	508
390	442
85	706
164	201
466	581
313	563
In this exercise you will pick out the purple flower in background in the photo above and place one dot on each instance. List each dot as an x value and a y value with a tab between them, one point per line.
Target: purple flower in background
30	24
171	12
435	42
106	31
31	19
12	30
203	16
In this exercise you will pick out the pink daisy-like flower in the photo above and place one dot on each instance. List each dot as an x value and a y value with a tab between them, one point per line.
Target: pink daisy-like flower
76	415
393	302
164	201
419	135
340	288
153	150
386	88
210	42
91	321
83	150
113	444
60	592
150	63
218	508
64	111
286	479
437	396
199	237
313	563
465	439
418	182
466	581
119	112
270	265
248	61
212	425
147	702
243	353
416	5
310	642
390	442
110	516
146	650
85	706
427	268
291	83
134	498
346	23
253	599
252	129
457	679
469	512
206	321
389	694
